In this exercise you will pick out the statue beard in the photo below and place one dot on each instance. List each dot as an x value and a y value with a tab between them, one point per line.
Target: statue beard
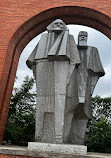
58	30
56	40
83	42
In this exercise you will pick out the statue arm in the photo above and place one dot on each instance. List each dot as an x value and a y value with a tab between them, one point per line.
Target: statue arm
30	61
94	82
96	68
95	63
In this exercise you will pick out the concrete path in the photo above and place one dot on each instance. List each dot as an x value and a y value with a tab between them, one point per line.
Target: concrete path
19	150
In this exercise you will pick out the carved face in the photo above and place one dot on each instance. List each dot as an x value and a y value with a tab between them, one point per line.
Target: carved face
58	25
82	38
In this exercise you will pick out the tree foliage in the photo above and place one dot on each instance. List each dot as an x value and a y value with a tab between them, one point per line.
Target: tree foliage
98	138
20	126
101	107
98	135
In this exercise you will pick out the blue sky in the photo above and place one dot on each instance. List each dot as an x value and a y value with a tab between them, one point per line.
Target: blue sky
95	38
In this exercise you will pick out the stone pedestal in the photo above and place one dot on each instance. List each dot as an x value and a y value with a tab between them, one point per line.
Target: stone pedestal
57	148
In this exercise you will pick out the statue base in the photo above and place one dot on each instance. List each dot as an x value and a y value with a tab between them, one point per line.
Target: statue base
57	148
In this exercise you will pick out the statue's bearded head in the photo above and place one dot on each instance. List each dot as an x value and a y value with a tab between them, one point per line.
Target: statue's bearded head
57	26
82	38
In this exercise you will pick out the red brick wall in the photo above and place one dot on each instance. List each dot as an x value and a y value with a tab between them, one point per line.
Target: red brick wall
20	21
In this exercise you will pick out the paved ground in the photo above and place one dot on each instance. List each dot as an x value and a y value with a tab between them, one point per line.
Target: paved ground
99	154
18	150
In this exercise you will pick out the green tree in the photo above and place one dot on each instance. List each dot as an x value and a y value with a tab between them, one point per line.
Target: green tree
98	138
20	126
101	107
98	135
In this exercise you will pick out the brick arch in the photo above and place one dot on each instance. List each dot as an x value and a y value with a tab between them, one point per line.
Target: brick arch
94	18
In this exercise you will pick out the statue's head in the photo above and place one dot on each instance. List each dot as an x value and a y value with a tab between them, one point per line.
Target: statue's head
57	26
82	38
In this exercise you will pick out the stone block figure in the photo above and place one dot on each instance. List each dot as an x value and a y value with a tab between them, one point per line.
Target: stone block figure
65	79
88	73
53	62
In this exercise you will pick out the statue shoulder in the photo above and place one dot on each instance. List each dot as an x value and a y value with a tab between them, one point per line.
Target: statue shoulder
71	37
94	49
72	40
44	35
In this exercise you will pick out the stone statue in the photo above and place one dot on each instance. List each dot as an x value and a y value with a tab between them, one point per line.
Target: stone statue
65	79
54	61
88	73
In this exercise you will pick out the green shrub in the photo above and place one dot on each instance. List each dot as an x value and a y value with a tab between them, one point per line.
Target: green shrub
98	138
20	126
